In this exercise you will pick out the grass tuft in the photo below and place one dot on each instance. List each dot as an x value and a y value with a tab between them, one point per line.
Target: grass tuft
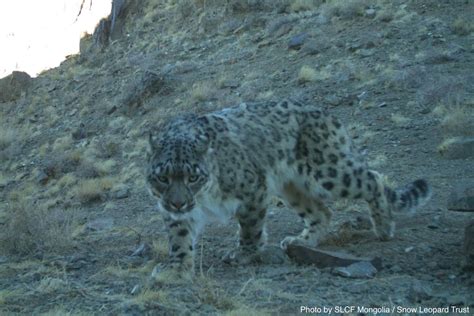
307	74
31	228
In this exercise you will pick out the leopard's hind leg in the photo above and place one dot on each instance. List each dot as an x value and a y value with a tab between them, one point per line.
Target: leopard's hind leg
315	214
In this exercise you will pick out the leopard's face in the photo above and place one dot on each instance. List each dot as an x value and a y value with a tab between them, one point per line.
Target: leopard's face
177	172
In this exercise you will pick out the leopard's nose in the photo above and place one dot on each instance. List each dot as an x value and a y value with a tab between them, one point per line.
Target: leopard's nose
177	205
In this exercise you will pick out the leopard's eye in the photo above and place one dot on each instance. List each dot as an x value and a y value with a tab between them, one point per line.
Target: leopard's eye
193	179
163	179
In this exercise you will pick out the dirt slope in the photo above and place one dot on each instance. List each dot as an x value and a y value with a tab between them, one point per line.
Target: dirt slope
74	208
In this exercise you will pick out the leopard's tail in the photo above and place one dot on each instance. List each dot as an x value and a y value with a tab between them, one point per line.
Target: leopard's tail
410	197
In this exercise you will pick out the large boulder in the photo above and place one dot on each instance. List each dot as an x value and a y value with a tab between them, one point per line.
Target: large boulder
13	85
469	246
461	197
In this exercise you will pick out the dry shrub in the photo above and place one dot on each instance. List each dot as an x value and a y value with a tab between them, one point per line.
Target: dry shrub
202	91
345	9
7	137
304	5
307	74
58	164
93	190
32	228
10	143
462	27
456	120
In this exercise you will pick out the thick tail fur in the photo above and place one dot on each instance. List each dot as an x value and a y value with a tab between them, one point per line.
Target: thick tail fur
411	197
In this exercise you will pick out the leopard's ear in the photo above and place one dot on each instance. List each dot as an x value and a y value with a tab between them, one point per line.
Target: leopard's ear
151	145
202	143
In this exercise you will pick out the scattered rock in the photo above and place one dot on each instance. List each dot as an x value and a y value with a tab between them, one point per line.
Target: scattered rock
297	41
370	13
469	246
358	270
458	148
100	224
13	85
418	293
42	177
80	132
312	47
273	255
111	109
136	289
461	198
229	83
333	100
3	259
323	258
144	86
279	27
365	52
120	192
142	250
436	58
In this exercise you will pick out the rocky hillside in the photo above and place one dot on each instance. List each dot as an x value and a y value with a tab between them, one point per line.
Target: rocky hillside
79	234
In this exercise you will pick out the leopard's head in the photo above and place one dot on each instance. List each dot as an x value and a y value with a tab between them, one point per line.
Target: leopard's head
177	170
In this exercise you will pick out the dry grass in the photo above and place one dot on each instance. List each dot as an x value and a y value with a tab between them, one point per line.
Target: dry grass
399	119
345	9
378	161
7	137
303	5
456	120
202	91
307	74
92	190
31	228
244	311
148	296
447	143
462	27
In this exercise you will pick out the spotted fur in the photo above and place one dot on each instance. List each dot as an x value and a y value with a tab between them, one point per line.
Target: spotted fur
232	162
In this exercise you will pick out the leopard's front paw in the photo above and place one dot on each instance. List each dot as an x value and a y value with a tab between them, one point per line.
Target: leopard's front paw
170	274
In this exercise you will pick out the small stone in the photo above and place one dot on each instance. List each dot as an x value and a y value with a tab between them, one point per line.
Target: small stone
418	293
469	246
273	255
111	109
3	259
229	83
297	41
42	177
120	192
76	262
370	13
358	270
142	250
324	259
312	47
80	132
135	290
461	197
409	249
333	100
365	52
100	224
